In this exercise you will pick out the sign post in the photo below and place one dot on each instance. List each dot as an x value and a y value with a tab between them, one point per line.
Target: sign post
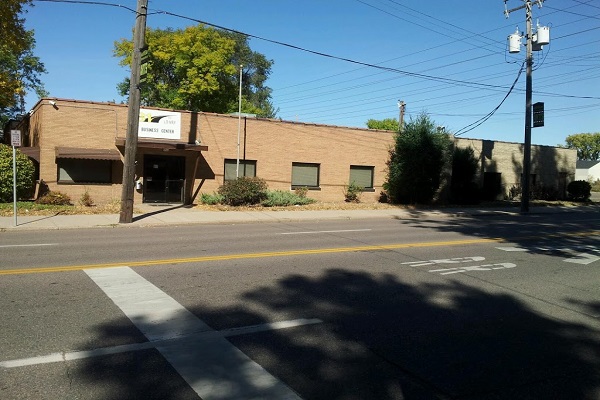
15	140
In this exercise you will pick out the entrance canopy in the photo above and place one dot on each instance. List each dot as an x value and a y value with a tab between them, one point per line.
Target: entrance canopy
164	144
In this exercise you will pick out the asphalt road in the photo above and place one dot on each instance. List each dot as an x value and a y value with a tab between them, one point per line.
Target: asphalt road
456	308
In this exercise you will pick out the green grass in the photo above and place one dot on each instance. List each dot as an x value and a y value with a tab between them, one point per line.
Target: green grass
25	207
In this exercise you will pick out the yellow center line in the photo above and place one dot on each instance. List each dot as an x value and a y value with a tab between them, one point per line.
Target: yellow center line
286	253
147	263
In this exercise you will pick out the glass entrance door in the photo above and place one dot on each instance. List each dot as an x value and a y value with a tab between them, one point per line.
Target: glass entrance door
164	178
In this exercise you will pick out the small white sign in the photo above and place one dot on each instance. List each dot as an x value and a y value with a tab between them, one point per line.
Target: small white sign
159	124
15	138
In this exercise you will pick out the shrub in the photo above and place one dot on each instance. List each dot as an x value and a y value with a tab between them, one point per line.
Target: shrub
514	192
383	197
211	198
536	192
596	185
541	192
301	191
579	190
352	192
86	200
55	199
419	157
463	188
282	198
25	175
244	191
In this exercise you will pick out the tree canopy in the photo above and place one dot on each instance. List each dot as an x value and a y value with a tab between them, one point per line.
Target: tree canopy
420	155
197	69
388	124
586	144
19	68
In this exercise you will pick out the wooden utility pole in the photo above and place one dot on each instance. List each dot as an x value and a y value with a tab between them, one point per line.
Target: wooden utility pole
528	94
526	179
133	114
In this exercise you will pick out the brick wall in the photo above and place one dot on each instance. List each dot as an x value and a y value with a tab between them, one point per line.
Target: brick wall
274	145
77	124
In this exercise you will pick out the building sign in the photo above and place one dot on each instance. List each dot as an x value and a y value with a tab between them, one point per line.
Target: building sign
159	124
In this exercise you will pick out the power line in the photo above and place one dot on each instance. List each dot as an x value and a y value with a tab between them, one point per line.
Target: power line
94	3
441	80
477	123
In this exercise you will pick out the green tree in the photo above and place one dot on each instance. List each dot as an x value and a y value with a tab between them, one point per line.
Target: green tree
25	175
19	68
416	163
197	69
586	144
388	124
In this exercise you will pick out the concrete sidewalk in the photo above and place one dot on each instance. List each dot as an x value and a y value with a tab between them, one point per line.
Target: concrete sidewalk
179	215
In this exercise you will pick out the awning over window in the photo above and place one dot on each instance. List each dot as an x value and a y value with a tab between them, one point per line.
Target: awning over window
88	154
31	152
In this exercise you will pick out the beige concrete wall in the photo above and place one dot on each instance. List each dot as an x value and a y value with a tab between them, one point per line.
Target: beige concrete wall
552	166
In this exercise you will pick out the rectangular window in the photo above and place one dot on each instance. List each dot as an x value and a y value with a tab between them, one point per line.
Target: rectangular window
305	175
362	176
75	170
247	168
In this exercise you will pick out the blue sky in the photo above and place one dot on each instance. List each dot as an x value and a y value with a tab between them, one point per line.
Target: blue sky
448	59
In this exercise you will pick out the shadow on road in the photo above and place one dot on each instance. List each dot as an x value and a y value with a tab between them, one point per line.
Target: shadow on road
560	235
386	339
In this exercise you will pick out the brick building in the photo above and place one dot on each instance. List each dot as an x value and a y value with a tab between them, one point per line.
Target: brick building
78	147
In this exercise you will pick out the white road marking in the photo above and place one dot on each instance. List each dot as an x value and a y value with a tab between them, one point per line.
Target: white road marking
313	232
456	260
486	267
582	258
578	257
28	245
79	355
212	366
511	248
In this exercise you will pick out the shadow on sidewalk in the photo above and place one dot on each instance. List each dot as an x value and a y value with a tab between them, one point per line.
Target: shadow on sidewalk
39	219
159	211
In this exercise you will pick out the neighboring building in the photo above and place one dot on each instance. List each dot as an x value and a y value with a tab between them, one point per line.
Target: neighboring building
587	170
78	147
502	165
